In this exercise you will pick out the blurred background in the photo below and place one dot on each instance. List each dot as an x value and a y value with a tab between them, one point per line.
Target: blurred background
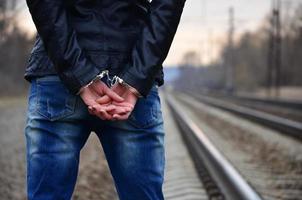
222	48
239	47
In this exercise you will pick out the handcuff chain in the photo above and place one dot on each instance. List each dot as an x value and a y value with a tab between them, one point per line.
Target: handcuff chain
111	81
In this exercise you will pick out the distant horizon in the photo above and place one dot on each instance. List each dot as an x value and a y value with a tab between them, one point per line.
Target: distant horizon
203	27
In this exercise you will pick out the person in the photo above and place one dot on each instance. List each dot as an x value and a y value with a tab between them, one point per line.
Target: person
96	65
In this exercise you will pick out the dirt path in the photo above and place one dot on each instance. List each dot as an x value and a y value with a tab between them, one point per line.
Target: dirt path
94	182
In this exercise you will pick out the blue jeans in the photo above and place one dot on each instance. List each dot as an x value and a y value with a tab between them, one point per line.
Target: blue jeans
57	127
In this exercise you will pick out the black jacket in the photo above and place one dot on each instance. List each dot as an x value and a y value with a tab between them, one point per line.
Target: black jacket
79	38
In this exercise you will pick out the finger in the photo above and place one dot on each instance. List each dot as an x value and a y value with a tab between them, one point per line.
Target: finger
114	96
98	115
103	100
105	115
120	117
101	115
123	104
90	110
125	108
94	111
120	111
101	112
108	107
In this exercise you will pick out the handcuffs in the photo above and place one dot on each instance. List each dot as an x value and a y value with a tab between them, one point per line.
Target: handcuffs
111	82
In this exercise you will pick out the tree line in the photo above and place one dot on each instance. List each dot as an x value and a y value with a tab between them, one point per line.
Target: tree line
15	45
249	59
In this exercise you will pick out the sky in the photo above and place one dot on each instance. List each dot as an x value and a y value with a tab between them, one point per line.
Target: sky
205	23
203	27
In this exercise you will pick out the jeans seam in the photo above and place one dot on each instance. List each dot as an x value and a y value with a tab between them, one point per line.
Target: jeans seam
69	106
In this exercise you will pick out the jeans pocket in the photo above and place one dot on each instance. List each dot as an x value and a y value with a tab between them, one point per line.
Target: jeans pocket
54	101
147	111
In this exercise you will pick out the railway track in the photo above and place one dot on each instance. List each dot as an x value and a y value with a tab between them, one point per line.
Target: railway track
283	108
221	179
288	109
295	105
288	104
260	164
284	125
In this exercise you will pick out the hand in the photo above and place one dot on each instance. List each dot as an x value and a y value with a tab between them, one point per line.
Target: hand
97	90
128	103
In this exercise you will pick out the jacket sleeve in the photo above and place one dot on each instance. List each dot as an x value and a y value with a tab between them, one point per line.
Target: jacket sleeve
60	41
153	45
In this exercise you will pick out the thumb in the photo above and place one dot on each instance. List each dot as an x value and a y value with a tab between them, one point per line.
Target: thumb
103	100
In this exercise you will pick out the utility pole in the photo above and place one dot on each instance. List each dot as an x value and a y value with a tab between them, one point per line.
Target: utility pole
300	27
203	20
230	53
210	46
275	51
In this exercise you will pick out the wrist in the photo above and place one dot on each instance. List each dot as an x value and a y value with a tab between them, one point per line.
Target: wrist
129	87
97	77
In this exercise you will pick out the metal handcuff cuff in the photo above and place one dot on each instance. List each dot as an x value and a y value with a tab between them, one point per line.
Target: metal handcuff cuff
111	82
117	79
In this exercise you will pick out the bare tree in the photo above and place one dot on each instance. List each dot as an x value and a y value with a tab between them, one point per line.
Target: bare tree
14	50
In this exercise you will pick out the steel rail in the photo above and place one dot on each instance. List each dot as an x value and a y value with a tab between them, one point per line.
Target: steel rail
292	104
229	181
276	102
290	127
